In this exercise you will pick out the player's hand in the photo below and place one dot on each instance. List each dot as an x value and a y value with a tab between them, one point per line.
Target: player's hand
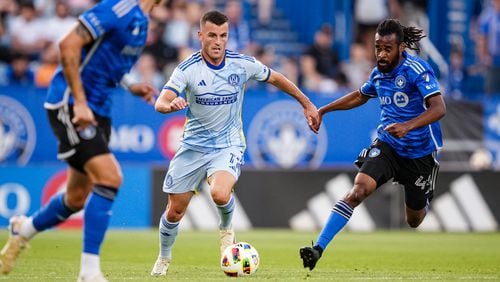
398	130
178	104
313	119
144	90
83	116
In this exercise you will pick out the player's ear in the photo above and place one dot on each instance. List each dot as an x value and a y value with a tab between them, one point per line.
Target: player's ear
402	47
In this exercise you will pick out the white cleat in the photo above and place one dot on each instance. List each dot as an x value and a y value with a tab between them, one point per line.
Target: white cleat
226	239
99	277
15	244
161	267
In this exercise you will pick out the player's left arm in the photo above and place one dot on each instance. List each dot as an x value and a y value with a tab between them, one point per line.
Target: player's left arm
436	109
284	84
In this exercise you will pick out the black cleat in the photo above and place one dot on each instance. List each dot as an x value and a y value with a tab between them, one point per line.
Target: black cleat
310	256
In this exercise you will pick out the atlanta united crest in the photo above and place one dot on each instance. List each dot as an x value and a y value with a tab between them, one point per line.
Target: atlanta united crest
279	136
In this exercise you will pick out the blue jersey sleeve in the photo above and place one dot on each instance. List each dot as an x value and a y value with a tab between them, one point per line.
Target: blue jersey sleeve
427	84
368	88
100	18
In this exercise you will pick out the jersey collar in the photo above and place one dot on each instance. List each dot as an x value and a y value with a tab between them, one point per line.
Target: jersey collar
214	67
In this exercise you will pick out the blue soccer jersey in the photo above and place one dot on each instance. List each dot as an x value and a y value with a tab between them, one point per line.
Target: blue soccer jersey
119	29
215	97
402	94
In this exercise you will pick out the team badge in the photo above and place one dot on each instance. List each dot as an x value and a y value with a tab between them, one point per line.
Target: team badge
233	79
278	136
17	132
401	99
400	81
88	132
374	152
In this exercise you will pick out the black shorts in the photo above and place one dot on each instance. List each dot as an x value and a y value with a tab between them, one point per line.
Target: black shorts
418	176
77	147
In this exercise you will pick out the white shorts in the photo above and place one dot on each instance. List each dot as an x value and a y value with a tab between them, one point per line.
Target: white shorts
189	168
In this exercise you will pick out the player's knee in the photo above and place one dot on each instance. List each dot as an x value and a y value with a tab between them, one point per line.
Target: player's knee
219	196
357	194
114	179
174	215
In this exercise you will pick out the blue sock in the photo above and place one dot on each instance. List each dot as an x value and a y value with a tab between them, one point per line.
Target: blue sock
226	212
168	233
338	218
52	214
96	217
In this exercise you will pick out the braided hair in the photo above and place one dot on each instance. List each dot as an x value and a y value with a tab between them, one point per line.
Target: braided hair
410	36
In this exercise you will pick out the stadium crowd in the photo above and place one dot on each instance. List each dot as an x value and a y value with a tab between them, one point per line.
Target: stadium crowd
30	30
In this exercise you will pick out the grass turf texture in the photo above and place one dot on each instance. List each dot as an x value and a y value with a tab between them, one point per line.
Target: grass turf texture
129	256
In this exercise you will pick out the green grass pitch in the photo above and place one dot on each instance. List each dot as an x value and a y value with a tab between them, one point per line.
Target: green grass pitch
128	255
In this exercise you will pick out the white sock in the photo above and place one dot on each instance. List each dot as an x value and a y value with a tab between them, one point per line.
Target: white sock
27	230
89	265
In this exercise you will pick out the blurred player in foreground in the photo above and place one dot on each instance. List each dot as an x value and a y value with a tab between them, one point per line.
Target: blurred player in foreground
408	136
95	55
212	81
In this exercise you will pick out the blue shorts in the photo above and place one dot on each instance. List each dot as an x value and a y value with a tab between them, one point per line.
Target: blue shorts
189	168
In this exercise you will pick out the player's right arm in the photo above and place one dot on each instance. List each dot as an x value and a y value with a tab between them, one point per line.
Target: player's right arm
349	101
70	49
169	102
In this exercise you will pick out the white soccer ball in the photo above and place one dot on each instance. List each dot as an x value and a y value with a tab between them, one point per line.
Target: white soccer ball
240	259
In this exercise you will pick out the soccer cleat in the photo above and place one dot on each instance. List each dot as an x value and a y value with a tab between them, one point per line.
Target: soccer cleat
310	256
15	244
99	277
161	267
226	239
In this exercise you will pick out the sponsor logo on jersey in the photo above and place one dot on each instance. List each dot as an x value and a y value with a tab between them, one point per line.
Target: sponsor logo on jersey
400	81
279	136
400	99
17	132
211	99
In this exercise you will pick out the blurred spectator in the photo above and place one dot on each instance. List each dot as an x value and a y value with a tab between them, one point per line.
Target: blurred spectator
78	6
290	68
60	24
264	11
320	62
19	72
239	30
194	11
166	56
411	12
368	14
489	46
49	61
145	70
358	67
27	30
7	7
177	30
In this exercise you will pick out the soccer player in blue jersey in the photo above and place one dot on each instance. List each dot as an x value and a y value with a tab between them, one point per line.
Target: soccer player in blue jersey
210	84
408	136
95	56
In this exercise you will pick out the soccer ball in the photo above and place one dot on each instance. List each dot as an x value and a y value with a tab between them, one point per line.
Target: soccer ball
240	259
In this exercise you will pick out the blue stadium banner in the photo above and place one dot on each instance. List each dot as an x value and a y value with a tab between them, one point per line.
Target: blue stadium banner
20	194
275	128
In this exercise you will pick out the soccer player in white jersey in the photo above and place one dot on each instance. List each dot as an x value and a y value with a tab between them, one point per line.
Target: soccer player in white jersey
210	84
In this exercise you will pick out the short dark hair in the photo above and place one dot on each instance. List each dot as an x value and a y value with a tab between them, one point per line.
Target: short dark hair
215	17
408	35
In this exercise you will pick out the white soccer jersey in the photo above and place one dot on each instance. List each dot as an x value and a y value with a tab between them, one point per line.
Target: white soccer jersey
215	97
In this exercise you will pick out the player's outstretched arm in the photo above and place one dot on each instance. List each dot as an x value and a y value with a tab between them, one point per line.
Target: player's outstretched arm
436	109
346	102
310	110
169	102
